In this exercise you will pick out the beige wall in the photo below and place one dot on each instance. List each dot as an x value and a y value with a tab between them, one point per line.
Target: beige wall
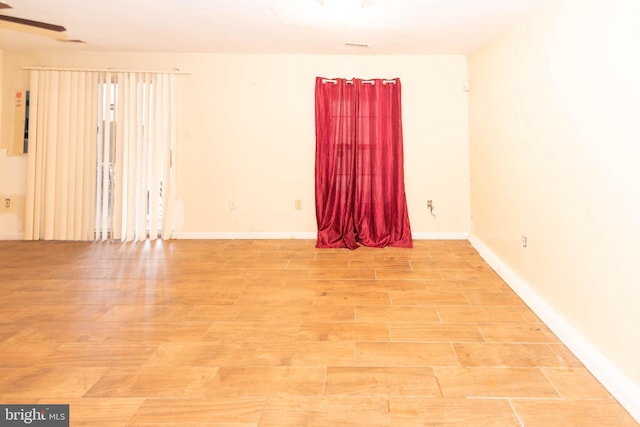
246	134
555	154
11	171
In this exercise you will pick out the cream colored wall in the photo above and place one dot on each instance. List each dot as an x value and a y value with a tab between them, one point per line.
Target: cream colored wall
1	79
246	134
554	154
11	171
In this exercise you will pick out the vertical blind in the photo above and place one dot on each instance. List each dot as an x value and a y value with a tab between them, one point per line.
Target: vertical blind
99	155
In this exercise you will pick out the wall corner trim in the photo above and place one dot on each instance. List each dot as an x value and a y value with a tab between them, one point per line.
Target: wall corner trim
615	381
298	235
244	235
440	236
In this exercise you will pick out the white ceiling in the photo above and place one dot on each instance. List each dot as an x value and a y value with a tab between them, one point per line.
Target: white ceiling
264	26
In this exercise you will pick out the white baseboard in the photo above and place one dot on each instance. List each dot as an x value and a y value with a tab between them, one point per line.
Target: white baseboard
299	235
247	235
11	236
614	380
440	236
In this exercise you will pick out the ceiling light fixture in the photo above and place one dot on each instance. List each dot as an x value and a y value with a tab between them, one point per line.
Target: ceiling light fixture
343	10
344	3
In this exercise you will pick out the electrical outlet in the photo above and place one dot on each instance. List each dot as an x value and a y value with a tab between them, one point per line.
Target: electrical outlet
11	203
298	204
524	241
430	207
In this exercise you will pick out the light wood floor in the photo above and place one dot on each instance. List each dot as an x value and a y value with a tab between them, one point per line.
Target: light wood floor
278	334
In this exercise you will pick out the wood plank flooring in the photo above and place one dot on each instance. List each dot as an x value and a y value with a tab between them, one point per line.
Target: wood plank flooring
243	333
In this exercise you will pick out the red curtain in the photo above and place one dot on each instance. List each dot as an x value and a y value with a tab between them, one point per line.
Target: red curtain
360	196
